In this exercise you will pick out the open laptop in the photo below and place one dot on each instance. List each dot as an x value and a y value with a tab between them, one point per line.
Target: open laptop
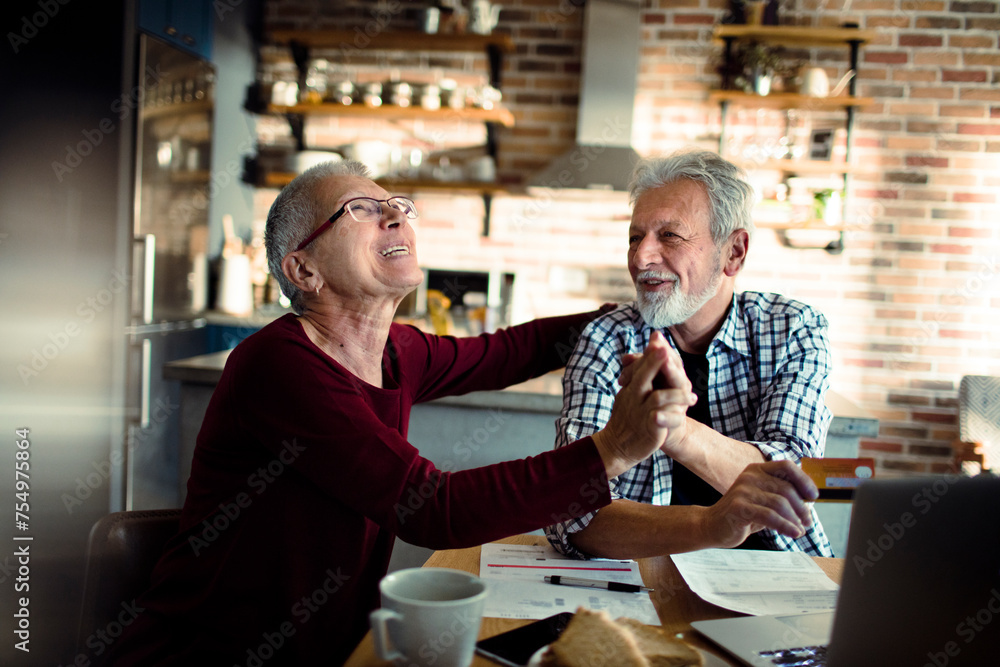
920	588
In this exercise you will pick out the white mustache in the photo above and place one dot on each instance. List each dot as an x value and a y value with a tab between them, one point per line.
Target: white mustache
656	275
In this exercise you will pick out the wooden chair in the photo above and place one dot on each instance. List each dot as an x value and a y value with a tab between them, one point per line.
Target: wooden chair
121	553
977	447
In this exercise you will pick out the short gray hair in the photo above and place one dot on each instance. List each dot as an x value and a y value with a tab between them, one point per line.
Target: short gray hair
293	216
730	196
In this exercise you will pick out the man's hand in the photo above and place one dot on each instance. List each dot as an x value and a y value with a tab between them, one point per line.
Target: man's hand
766	495
643	417
672	376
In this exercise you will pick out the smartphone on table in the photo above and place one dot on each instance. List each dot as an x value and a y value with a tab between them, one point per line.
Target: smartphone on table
515	647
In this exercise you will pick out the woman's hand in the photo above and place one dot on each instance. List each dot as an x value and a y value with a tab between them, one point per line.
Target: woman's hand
644	415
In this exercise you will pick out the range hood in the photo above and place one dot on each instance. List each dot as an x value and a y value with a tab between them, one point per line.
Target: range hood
602	157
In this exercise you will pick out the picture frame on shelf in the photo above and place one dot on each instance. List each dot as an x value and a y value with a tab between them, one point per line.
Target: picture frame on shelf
821	141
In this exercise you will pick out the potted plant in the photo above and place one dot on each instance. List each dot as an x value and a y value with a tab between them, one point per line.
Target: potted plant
758	63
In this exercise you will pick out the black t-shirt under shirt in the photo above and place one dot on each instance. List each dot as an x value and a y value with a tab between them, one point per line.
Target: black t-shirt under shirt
688	488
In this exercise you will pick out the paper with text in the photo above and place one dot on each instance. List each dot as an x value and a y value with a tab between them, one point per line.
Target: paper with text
758	582
515	576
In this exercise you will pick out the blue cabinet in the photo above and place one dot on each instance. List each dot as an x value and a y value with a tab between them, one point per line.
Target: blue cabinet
184	23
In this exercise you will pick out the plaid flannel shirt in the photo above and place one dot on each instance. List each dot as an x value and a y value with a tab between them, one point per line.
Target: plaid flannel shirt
768	375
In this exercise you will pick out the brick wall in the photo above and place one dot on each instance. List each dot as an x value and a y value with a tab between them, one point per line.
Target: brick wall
912	300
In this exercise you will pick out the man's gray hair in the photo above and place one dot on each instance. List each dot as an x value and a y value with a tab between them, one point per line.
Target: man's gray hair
730	196
293	217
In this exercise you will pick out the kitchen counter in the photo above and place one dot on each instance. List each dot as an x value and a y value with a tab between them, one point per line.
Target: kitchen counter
540	395
485	427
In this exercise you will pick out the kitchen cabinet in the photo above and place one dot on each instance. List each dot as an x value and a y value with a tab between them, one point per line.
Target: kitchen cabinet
851	38
302	43
498	116
183	23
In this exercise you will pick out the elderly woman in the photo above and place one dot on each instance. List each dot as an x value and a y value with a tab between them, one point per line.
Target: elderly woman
302	476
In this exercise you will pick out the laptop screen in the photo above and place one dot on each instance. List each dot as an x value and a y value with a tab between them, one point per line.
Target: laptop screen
921	582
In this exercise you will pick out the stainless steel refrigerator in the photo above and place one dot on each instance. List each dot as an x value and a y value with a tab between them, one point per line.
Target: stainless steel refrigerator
169	276
75	320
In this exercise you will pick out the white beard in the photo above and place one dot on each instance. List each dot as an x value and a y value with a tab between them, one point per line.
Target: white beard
662	311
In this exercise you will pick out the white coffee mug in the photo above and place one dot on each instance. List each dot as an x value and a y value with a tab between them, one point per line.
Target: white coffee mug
429	616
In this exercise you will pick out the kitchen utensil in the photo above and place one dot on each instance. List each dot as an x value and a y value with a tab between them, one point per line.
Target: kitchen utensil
232	244
815	83
844	80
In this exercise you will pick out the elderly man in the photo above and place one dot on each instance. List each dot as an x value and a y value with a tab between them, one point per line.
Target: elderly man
302	475
726	476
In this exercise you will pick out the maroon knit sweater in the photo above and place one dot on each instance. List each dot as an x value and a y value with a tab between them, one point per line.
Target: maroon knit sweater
302	478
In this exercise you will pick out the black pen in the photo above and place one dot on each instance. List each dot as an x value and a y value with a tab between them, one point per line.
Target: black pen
592	583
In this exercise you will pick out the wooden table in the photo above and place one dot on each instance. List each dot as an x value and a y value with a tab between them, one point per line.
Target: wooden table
676	605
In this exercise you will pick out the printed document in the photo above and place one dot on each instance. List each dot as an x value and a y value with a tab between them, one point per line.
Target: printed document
758	582
515	575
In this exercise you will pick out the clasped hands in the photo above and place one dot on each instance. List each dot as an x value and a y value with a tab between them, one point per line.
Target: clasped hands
650	413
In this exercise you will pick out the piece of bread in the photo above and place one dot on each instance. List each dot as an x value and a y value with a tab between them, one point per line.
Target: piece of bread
658	647
592	639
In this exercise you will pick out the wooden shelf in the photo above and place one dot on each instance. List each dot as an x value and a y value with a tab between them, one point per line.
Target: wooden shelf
279	179
788	35
801	37
788	100
196	177
493	46
822	167
458	187
402	41
811	225
500	115
178	109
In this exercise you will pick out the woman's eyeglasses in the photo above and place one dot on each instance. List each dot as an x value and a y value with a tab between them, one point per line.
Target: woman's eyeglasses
364	209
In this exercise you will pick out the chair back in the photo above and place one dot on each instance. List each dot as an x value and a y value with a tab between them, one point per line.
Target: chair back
122	550
979	409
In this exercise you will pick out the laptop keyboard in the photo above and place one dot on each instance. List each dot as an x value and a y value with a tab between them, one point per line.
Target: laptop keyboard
803	656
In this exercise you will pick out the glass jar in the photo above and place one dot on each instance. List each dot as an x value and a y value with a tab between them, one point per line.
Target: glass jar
430	96
342	92
400	93
372	94
317	81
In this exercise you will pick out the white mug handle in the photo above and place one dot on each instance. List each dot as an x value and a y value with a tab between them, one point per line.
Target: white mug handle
379	618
